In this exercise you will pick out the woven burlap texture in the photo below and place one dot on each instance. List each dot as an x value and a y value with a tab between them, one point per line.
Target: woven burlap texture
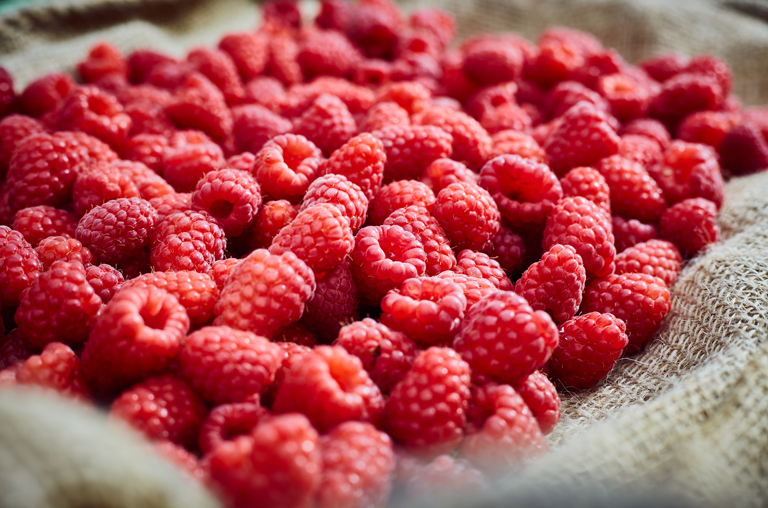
690	411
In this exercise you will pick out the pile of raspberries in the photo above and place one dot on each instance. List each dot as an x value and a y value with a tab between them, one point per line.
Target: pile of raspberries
327	263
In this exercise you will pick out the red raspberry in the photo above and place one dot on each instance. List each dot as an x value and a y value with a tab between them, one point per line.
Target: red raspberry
640	149
589	347
416	219
649	128
231	196
634	194
586	227
103	60
283	54
361	161
217	66
13	349
242	161
254	125
142	62
631	232
99	183
117	229
744	150
638	299
358	462
149	184
225	365
90	110
655	257
341	193
426	411
319	235
479	264
503	434
490	98
507	249
427	309
685	93
187	164
383	257
199	104
712	66
138	334
582	137
265	91
555	283
372	72
228	421
221	269
540	395
297	333
57	368
265	293
277	465
327	123
629	96
55	248
334	14
506	117
105	281
329	386
445	475
471	143
517	143
334	302
148	149
46	93
147	118
567	94
163	407
707	127
293	354
691	225
171	203
286	165
525	191
196	292
437	22
400	194
468	214
7	93
185	461
411	148
689	170
409	95
384	114
248	51
504	339
758	116
374	25
493	60
663	66
13	129
19	266
587	183
272	217
39	222
327	52
299	98
443	172
475	288
187	241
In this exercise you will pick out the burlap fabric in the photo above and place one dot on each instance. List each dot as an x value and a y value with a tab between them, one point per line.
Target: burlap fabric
689	414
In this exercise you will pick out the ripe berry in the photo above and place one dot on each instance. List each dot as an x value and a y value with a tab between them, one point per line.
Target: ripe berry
327	123
691	225
95	112
105	280
540	395
232	197
226	422
587	183
479	264
187	241
286	165
361	161
471	142
689	170
475	288
348	197
19	266
57	368
416	219
334	302
443	172
468	214
659	258
273	216
399	194
96	184
411	148
255	124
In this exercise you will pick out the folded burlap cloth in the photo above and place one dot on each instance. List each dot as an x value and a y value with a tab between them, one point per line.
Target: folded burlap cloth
688	416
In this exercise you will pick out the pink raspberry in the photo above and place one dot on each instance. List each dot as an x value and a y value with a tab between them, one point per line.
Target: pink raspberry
39	222
640	149
468	215
471	142
411	148
475	288
273	216
399	194
57	248
689	170
105	280
90	110
444	474
563	96
587	183
659	258
384	114
417	220
327	123
286	166
511	142
479	264
443	172
226	422
341	193
691	225
232	197
56	368
99	183
540	395
221	269
187	241
334	302
103	60
361	161
148	149
171	203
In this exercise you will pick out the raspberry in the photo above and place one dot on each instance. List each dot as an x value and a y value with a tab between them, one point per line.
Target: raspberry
19	266
39	222
187	241
232	197
638	299
221	269
319	235
411	148
225	365
57	368
444	475
278	463
117	229
90	110
689	170
634	194
540	395
138	334
297	333
712	66
655	257
707	127
327	52
361	161
384	114
439	23
744	150
228	421
525	191
293	354
504	339
99	183
254	125
55	248
136	265
426	411
187	164
283	53
506	117
46	94
631	232
443	172
517	143
7	93
471	143
248	51
589	347
334	302
409	95
567	94
686	93
479	264
13	349
587	183
468	215
105	281
374	25
171	203
691	225
334	14
555	62
242	161
586	227
149	184
13	129
629	97
641	149
162	408
265	91
490	98
507	249
103	60
555	283
273	216
650	128
327	123
329	386
372	72
184	461
286	165
416	219
148	149
265	293
475	288
141	62
217	66
357	466
383	257
582	137
663	66
199	104
148	118
400	194
299	98
341	193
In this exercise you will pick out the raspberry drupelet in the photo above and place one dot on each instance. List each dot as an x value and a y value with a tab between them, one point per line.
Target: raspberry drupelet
416	219
348	197
334	302
19	266
360	160
468	214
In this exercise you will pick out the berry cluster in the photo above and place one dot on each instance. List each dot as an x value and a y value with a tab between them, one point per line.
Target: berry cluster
319	263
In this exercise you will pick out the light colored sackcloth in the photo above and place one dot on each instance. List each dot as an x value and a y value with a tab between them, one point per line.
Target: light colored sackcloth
691	411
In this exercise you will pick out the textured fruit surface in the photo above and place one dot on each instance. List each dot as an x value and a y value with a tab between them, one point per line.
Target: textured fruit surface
468	214
334	302
541	397
655	257
691	225
19	266
56	368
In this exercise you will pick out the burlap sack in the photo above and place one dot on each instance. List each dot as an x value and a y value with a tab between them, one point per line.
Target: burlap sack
689	415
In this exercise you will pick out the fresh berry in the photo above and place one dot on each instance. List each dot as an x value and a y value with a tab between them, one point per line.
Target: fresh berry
228	421
7	93
232	197
19	266
400	194
327	52
105	280
283	61
630	232
510	142
655	257
475	288
248	51
361	161
99	183
587	183
90	110
341	193
471	142
293	354
286	165
327	123
628	96
686	93
199	104
272	217
634	194
187	241
443	172
540	395
103	60
707	127
39	222
334	302
691	225
13	129
567	94
507	249
373	25
254	125
57	368
479	264
411	148
384	114
468	214
185	164
217	66
242	161
689	170
46	93
61	248
744	150
171	203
